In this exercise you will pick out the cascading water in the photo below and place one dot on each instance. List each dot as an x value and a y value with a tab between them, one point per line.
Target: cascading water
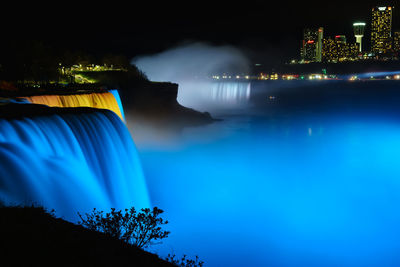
108	100
69	159
231	92
210	96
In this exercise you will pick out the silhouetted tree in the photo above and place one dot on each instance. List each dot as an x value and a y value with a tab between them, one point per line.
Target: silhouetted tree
138	228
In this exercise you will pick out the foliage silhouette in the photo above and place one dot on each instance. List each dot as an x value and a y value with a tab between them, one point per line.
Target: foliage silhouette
184	262
137	228
67	243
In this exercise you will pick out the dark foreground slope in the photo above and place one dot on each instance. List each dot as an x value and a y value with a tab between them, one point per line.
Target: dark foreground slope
33	237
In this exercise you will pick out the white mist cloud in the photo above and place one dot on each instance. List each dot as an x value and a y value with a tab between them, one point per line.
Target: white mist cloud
196	60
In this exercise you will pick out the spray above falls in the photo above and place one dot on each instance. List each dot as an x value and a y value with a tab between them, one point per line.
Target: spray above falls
192	61
192	66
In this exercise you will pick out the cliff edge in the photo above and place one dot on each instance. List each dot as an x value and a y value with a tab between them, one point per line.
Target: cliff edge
157	102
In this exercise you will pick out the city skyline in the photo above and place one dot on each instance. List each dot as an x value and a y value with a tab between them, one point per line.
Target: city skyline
265	31
384	42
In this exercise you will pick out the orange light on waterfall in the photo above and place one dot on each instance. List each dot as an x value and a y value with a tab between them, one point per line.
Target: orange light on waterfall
95	100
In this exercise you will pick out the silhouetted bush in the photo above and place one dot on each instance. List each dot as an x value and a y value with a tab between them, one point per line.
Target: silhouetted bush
137	228
184	262
34	236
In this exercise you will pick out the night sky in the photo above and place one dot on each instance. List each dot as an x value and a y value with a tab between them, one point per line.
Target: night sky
267	31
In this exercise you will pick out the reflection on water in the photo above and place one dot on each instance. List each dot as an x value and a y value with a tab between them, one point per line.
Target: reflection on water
309	179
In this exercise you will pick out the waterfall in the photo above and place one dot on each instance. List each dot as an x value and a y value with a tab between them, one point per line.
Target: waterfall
214	96
69	159
108	100
231	92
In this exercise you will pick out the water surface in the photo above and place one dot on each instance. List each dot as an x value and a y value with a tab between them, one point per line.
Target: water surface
296	174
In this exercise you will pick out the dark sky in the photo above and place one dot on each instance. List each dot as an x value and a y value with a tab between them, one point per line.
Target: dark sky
265	30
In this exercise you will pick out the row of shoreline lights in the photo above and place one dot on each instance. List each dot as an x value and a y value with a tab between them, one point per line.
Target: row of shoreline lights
388	77
271	77
217	77
298	77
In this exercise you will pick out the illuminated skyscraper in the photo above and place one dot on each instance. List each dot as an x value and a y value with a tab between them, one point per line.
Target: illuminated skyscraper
396	41
341	39
337	49
381	29
312	45
359	29
319	45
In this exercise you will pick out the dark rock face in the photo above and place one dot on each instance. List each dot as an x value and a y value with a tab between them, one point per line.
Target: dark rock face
32	237
150	95
158	102
154	116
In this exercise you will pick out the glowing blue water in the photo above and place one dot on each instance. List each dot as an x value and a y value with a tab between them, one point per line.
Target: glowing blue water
70	162
308	177
118	99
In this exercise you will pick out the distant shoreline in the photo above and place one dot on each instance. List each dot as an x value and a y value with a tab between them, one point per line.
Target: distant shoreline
341	68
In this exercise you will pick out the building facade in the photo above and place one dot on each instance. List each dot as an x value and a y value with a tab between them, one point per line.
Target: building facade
396	41
337	49
341	39
381	30
311	50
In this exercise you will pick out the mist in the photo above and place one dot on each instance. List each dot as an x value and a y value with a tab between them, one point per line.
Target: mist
192	66
192	61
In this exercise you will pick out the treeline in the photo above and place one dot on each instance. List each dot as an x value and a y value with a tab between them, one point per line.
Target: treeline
36	61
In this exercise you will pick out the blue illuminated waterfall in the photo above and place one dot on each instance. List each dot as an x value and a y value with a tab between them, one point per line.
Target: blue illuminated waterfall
233	92
74	159
211	95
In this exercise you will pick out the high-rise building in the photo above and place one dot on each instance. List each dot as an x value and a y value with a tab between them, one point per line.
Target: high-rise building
341	39
381	30
359	29
319	45
330	50
337	49
312	45
396	41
